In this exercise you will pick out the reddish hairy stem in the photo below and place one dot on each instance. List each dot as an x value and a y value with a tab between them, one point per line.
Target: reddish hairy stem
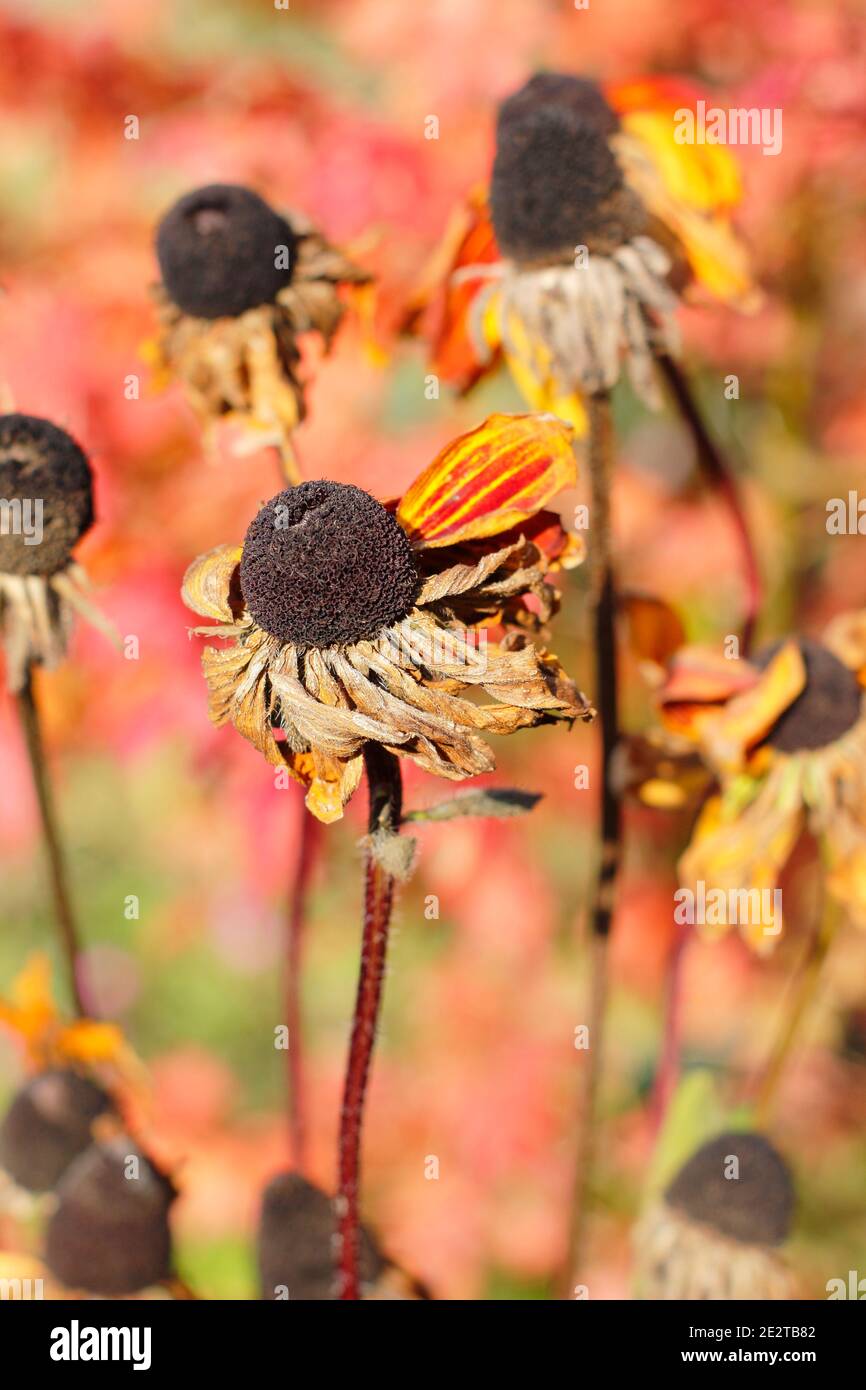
305	857
721	478
383	775
63	911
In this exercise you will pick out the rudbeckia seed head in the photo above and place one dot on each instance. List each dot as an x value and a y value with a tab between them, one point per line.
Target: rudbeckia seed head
826	708
110	1233
579	95
555	176
295	1241
751	1200
47	1125
47	488
325	565
223	250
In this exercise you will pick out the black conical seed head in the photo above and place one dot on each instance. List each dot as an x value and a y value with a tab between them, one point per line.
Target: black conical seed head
110	1232
46	496
223	250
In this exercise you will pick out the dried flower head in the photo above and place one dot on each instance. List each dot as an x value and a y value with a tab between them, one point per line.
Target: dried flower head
716	1232
46	506
556	182
240	284
351	621
784	737
222	250
110	1234
596	222
48	1124
296	1242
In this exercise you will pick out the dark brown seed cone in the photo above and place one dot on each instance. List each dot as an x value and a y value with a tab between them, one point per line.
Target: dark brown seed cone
218	251
325	564
41	464
828	706
556	183
756	1207
110	1233
296	1242
49	1124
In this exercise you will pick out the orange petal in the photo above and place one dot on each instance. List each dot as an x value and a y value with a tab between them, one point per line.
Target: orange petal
750	717
703	676
651	93
654	628
90	1042
489	480
468	241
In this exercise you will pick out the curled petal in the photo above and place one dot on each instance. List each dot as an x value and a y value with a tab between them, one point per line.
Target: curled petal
749	717
209	585
489	480
447	289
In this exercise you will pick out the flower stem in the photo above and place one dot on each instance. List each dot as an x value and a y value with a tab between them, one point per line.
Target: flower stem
601	469
307	843
800	995
720	476
63	911
385	786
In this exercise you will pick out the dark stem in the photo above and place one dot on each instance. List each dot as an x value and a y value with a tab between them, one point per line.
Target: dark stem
308	840
385	787
721	478
63	912
601	469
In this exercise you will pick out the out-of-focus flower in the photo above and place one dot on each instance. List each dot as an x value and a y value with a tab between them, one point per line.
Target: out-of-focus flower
110	1234
784	737
351	621
716	1232
295	1248
46	486
31	1013
240	284
596	220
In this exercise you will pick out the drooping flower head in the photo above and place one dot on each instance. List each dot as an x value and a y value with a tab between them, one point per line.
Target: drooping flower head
784	738
110	1231
352	621
717	1231
46	506
596	220
49	1123
240	283
295	1248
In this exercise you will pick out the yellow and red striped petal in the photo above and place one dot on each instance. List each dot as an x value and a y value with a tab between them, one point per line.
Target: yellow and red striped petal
489	480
